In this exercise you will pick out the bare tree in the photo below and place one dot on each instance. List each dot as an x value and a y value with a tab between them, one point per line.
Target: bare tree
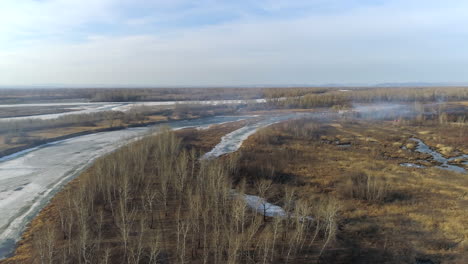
44	243
262	188
329	210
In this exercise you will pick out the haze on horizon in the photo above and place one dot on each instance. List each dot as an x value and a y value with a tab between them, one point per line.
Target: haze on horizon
245	42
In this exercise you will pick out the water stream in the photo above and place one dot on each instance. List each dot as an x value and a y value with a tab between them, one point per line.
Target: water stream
438	157
233	141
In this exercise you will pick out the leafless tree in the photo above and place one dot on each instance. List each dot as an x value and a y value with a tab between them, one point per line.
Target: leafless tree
44	243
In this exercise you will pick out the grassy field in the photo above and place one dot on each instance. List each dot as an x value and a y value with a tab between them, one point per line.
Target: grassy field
402	214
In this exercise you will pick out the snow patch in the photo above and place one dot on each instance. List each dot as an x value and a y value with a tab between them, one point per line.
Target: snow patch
261	206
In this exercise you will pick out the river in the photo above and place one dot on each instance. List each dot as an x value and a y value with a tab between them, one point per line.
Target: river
30	178
88	108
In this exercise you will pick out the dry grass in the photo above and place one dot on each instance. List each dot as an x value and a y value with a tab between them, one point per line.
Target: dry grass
366	187
423	212
154	202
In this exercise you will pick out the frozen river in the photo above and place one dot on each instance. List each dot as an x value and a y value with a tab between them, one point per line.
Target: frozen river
29	179
88	108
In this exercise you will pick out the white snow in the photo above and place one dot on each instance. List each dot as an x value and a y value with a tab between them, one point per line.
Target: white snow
261	206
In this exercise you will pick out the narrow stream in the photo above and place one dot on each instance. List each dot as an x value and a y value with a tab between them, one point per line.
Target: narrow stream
436	156
232	142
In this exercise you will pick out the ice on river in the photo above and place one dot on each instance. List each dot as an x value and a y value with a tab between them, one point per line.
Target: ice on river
30	178
233	141
28	181
88	108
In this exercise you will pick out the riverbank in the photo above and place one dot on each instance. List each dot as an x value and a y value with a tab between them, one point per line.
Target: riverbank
39	142
202	140
48	135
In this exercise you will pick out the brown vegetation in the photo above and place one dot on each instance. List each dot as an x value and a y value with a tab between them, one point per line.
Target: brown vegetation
389	213
309	98
339	180
12	96
299	96
19	111
360	185
154	202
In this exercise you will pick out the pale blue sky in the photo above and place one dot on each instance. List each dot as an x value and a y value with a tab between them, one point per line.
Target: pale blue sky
242	42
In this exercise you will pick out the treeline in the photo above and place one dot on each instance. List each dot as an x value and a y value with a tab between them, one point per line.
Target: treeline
11	96
331	99
174	94
438	94
307	96
91	119
154	202
343	98
200	110
271	93
18	96
138	114
21	132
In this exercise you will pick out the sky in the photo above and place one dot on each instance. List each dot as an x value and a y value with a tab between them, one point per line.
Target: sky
231	43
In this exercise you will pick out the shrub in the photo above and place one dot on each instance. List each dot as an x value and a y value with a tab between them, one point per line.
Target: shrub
366	187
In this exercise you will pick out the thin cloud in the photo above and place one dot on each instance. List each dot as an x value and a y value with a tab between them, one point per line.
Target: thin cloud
102	42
